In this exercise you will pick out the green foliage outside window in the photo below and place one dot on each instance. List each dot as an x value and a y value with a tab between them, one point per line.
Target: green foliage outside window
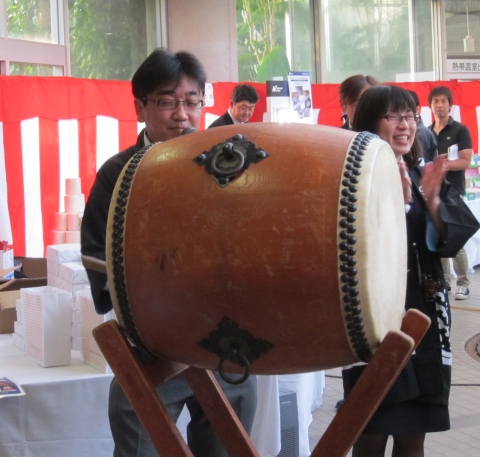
107	38
29	19
261	39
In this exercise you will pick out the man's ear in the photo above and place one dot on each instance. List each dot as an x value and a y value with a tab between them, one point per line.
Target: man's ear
139	108
231	104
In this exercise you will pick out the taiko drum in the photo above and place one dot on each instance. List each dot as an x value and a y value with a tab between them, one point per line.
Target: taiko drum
277	248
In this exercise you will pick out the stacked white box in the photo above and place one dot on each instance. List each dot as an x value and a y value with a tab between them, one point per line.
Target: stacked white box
62	253
66	271
90	319
48	315
18	335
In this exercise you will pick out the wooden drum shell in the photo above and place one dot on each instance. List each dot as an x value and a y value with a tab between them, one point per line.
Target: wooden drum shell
261	251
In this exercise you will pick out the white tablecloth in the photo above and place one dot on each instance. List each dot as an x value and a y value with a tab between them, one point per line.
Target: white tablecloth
64	411
473	245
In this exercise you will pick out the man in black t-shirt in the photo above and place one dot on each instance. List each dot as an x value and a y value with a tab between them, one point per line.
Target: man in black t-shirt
453	138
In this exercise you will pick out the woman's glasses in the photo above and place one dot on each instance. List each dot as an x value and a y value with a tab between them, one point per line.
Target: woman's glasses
397	118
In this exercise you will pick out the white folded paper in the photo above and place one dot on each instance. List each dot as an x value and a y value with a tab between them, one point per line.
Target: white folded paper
48	317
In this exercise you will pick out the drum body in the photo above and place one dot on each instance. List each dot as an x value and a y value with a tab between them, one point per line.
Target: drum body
297	263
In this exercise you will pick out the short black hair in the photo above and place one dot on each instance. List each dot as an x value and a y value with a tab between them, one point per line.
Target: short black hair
440	90
415	97
374	104
244	92
350	89
162	68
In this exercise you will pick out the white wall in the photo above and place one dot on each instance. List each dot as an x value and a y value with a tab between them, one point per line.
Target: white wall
206	28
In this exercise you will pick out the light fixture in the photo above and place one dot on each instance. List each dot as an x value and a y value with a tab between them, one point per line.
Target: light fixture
468	41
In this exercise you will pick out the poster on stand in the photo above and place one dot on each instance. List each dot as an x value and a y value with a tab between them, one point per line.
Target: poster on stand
301	96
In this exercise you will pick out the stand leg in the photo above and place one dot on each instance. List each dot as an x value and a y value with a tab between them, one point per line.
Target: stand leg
219	412
371	388
136	383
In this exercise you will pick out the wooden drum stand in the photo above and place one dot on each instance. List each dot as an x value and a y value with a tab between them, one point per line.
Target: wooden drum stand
138	380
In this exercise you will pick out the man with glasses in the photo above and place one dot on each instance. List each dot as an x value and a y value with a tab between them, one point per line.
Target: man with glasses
168	92
242	105
453	138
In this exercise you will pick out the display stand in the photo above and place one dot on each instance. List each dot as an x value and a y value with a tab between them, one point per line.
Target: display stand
138	381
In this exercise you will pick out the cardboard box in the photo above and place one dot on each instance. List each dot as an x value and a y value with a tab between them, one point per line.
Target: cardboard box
35	268
8	312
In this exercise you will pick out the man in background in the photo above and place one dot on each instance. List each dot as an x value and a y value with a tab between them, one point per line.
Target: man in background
427	138
168	91
453	139
242	105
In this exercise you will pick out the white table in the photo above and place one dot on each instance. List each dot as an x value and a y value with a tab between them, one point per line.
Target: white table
473	244
266	427
65	409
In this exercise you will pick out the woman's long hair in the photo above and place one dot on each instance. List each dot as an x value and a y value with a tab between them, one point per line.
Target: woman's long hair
375	103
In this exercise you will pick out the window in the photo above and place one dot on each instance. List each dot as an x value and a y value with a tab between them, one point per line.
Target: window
274	37
103	39
33	20
462	22
388	39
109	39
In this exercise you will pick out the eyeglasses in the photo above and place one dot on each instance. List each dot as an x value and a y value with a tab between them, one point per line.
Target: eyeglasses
397	118
170	105
246	107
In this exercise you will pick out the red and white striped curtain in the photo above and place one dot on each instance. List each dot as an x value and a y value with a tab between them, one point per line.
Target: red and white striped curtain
57	128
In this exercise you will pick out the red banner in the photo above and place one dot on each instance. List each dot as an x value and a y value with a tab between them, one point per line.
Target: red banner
57	128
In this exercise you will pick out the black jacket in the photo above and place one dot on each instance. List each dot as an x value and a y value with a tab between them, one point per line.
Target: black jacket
94	222
225	119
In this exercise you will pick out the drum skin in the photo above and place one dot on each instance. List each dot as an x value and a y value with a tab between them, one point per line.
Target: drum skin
261	253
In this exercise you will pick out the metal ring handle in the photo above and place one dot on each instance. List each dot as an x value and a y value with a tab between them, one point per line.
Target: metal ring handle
230	171
224	376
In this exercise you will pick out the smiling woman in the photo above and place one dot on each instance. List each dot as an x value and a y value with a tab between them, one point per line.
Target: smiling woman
438	223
